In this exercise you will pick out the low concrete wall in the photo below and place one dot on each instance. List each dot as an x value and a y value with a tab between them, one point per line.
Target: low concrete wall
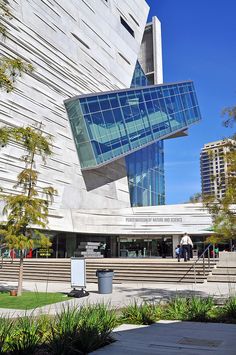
227	259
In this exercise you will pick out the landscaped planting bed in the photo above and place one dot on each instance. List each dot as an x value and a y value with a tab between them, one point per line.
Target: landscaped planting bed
193	309
73	331
85	329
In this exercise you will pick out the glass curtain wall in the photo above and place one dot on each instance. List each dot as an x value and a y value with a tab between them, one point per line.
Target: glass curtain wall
145	172
145	168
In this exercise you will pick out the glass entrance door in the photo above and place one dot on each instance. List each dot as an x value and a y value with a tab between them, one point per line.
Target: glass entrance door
146	247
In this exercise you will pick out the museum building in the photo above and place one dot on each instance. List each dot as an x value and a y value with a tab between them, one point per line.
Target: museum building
98	89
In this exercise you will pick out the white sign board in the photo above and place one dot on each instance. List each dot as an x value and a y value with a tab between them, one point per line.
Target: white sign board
78	272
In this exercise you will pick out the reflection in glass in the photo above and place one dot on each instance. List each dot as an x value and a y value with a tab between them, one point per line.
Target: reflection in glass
124	121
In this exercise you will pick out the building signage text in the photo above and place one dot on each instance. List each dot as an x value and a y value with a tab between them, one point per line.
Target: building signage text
154	219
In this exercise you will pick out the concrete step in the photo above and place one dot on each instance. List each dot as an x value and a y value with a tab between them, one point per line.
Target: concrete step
124	272
154	269
178	266
145	276
224	272
107	261
222	278
150	280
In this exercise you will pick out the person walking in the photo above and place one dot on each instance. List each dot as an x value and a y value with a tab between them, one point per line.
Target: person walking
163	248
186	244
178	252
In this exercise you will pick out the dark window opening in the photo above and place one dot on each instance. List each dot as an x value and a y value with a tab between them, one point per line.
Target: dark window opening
127	27
123	57
134	20
80	40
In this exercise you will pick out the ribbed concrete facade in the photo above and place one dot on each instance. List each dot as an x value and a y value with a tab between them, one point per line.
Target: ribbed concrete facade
76	47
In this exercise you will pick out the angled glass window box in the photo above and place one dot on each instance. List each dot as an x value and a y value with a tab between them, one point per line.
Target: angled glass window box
108	126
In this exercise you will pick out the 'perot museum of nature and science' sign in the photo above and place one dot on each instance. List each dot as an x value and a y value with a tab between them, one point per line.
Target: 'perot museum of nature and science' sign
148	220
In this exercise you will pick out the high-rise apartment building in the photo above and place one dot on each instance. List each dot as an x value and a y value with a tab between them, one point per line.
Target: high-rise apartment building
214	167
98	89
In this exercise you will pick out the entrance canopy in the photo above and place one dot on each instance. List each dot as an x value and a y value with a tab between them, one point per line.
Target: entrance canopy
150	221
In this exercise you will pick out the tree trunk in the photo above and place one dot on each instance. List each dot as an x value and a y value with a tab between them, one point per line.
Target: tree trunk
20	277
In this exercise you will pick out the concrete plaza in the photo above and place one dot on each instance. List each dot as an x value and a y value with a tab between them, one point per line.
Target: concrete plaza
123	294
172	338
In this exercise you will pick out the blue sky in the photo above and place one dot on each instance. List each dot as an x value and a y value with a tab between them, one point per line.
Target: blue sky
199	43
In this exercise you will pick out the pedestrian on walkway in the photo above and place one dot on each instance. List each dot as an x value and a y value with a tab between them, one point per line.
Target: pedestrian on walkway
178	252
186	244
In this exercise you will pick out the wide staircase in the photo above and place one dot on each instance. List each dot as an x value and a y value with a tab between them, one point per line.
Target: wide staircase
225	270
125	270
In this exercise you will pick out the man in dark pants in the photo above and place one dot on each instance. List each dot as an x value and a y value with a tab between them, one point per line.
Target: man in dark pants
163	248
186	244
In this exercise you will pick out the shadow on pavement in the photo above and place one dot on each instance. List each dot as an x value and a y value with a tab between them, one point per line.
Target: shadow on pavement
153	294
175	337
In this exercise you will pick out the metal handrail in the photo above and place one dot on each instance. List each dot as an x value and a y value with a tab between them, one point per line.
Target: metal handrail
194	264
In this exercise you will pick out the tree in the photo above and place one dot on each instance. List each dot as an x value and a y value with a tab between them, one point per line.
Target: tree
28	207
230	113
223	210
10	68
197	197
5	12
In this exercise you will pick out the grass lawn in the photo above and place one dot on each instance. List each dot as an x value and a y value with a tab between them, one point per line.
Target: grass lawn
30	300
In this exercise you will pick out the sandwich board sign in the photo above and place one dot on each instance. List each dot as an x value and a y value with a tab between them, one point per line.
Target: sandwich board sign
78	272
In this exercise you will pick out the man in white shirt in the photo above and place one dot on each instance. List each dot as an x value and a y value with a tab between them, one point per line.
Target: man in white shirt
186	244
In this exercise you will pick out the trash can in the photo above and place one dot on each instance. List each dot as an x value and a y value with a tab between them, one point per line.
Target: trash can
105	277
195	253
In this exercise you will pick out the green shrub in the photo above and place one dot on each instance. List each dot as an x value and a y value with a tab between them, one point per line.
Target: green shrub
228	311
63	329
199	308
24	338
176	309
44	323
95	326
80	331
144	313
5	330
191	309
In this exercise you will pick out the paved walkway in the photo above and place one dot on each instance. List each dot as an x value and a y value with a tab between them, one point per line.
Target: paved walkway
173	337
122	294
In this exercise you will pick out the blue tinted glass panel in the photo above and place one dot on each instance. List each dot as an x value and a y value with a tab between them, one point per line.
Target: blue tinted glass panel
134	117
145	172
139	78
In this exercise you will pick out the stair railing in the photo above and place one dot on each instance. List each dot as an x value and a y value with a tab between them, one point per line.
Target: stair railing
205	255
1	248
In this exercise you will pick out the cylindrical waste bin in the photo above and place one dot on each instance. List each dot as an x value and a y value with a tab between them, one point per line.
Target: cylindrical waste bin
105	277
